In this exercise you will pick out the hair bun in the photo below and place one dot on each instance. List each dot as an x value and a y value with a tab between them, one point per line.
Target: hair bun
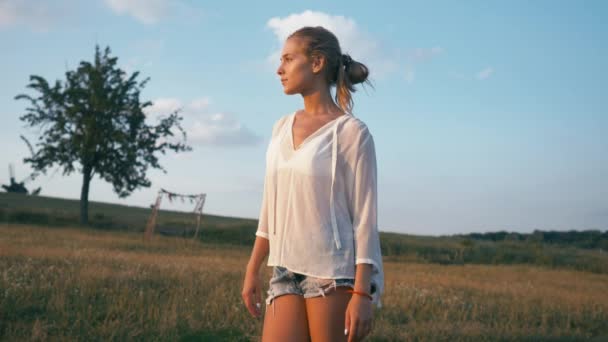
346	60
355	71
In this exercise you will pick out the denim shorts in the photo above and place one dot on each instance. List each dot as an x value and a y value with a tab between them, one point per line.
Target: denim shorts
284	281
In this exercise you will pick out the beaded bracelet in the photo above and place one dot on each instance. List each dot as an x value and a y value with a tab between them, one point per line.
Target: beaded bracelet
361	293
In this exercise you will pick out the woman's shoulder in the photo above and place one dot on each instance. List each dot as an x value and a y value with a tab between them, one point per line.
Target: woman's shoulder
279	123
354	127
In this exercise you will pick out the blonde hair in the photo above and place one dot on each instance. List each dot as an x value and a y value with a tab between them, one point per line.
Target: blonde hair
340	69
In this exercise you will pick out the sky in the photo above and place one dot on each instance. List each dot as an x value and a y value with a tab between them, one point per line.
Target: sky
486	116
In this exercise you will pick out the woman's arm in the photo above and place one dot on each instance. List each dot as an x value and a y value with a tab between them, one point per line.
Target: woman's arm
252	284
359	312
368	257
363	278
260	250
365	209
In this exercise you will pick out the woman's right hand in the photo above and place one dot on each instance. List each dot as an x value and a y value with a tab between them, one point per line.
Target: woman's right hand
252	293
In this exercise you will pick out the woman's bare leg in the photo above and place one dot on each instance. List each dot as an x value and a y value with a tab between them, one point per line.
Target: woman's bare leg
326	315
288	321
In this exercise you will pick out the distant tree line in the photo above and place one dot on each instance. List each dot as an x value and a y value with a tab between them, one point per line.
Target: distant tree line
588	239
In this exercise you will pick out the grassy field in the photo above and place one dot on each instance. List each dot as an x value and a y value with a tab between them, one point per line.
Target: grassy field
57	212
72	283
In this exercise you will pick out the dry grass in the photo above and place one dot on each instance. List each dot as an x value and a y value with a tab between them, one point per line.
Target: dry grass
75	284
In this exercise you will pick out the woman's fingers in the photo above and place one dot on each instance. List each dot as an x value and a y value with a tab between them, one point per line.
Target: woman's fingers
252	298
258	296
247	301
358	329
252	294
252	305
347	323
353	330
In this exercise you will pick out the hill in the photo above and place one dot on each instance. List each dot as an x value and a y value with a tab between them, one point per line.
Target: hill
445	250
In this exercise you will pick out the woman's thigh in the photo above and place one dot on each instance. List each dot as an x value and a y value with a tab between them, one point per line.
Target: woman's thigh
285	319
326	315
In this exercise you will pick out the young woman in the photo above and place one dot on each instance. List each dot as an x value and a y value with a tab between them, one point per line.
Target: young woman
318	220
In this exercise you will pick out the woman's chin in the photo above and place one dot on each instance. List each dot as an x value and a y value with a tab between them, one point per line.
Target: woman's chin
288	91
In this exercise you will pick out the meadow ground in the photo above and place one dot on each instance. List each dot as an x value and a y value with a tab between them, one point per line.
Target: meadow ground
87	284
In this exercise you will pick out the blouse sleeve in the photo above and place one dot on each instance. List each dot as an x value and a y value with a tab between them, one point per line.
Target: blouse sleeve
365	207
262	230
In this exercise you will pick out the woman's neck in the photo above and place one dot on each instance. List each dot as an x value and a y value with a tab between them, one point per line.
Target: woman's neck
319	102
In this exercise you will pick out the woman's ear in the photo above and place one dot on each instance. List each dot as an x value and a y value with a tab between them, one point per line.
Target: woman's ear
318	62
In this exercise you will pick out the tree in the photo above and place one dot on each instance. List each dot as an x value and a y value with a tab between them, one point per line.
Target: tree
95	119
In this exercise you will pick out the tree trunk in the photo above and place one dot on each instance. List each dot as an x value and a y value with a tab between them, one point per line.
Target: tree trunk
84	196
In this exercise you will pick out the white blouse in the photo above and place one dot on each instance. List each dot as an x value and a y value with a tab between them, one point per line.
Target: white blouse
319	206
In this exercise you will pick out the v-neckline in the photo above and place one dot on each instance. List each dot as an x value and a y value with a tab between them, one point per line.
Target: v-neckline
293	119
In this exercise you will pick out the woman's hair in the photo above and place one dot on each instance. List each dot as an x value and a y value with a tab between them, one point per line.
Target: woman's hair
340	69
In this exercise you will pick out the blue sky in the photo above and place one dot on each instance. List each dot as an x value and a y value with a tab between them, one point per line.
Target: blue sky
486	116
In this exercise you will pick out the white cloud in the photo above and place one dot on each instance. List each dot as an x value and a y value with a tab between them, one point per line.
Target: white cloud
145	11
10	12
221	129
485	73
35	14
353	40
150	12
204	127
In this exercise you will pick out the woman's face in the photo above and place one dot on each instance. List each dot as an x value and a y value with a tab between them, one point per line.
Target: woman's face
296	71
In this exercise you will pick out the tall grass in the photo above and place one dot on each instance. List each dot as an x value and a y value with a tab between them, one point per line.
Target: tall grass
86	284
56	212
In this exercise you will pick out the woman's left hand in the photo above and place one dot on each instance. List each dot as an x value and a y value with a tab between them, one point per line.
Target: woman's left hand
358	322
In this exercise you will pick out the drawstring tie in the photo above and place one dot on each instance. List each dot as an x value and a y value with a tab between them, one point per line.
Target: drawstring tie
334	159
286	128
